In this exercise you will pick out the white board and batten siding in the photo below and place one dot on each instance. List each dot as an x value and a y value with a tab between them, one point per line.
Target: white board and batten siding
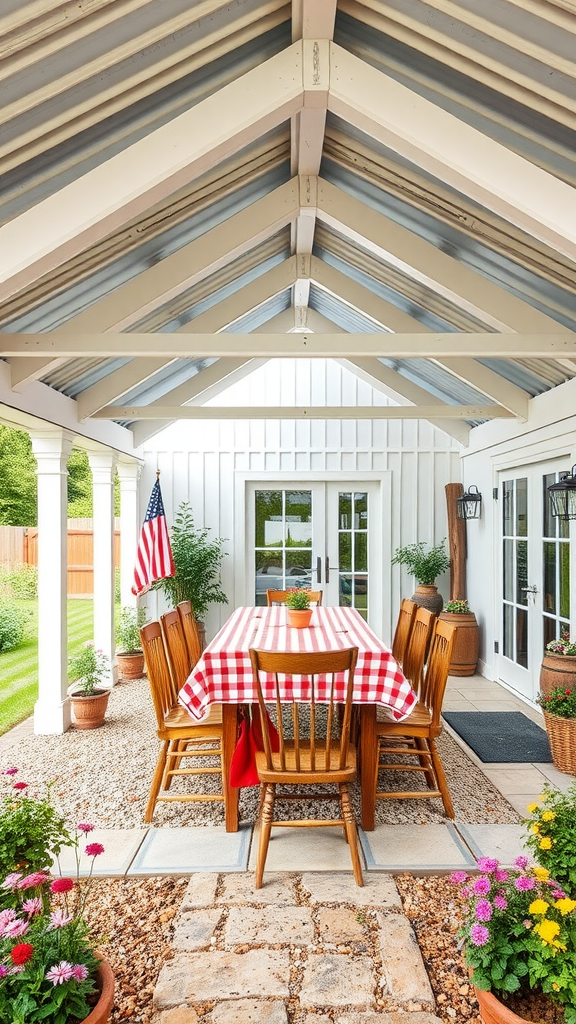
208	462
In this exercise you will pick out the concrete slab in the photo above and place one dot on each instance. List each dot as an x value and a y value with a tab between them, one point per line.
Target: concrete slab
517	781
121	846
178	851
420	848
377	891
304	849
501	841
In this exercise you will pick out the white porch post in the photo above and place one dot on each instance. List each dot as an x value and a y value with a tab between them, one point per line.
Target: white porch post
102	465
129	473
52	709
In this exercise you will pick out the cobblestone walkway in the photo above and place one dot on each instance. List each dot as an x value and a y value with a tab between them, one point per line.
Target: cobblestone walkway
305	949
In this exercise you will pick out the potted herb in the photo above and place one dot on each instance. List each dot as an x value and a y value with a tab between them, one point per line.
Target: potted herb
88	697
550	834
129	655
467	639
559	708
559	664
299	610
425	564
197	564
519	937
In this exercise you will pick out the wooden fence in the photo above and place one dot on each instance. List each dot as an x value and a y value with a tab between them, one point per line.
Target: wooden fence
18	544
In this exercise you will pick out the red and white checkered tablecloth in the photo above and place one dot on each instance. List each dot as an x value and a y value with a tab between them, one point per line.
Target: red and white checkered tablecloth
224	672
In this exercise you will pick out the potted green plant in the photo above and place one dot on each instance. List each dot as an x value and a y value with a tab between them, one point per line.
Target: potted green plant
519	937
425	563
467	639
32	831
559	709
197	564
298	607
550	834
88	697
559	664
129	654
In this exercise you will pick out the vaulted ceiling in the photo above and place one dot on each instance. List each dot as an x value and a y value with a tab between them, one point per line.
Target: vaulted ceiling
387	182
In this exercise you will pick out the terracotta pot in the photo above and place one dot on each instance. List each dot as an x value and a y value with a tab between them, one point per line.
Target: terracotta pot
557	670
299	617
493	1011
130	664
428	597
105	981
466	643
89	712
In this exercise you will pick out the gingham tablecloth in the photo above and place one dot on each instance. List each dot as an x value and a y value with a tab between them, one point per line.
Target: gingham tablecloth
224	672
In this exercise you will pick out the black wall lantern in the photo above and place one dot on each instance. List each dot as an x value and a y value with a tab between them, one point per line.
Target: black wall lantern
563	496
468	505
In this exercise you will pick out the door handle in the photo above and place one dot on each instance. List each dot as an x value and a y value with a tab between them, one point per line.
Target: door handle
335	568
319	569
530	590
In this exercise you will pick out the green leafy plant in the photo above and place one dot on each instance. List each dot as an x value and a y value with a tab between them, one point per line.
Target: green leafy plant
13	625
519	932
551	829
457	607
198	563
423	562
32	831
89	667
562	645
19	581
298	600
560	702
128	630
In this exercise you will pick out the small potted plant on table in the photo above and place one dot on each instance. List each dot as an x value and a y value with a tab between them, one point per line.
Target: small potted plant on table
559	709
466	641
426	564
130	656
89	699
299	610
559	664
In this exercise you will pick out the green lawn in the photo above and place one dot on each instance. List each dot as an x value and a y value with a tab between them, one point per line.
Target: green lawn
19	667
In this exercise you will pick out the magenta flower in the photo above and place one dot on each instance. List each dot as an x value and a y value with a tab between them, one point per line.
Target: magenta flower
33	906
33	880
62	885
465	892
501	875
479	934
20	785
524	883
457	877
483	910
559	894
488	864
3	970
94	849
6	916
59	919
481	886
60	972
11	771
521	862
11	881
15	928
500	902
79	972
85	827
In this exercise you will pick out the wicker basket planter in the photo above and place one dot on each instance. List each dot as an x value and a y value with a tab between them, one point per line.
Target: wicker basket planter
562	736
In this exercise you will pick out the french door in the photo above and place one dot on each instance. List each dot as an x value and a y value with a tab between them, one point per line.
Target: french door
535	574
325	535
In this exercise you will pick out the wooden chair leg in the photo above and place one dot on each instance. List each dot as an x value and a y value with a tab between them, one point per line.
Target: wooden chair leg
424	758
440	776
156	781
351	832
266	818
171	762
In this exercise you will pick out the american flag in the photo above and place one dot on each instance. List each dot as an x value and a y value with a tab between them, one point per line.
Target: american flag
154	555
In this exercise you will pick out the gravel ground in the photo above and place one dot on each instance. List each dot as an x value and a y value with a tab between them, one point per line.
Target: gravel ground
104	776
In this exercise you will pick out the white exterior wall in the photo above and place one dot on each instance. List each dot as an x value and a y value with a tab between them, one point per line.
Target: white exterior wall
204	462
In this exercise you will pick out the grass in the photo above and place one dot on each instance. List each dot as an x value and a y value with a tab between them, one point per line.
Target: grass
19	667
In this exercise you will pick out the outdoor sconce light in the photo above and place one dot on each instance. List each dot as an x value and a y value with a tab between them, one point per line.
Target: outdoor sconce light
468	505
563	496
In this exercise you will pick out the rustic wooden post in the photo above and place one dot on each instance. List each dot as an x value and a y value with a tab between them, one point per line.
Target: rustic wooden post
456	544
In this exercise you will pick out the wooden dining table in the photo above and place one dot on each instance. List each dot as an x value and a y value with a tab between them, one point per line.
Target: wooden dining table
223	675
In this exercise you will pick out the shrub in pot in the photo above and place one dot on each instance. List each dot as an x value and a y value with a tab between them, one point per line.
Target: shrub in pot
299	610
32	831
88	697
467	639
559	708
559	664
425	563
129	654
551	828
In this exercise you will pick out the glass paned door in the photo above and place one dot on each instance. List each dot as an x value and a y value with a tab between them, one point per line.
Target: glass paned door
353	550
556	568
282	540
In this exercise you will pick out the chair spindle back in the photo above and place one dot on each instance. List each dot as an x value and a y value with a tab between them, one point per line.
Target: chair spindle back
190	631
176	650
158	670
279	596
403	629
413	663
434	682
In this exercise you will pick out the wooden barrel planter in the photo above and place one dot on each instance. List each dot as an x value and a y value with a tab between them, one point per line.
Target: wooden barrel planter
557	670
466	643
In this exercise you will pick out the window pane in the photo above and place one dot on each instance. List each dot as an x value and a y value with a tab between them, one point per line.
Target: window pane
522	637
548	520
564	552
345	551
522	507
508	632
269	528
507	500
549	595
298	518
360	552
563	528
521	571
345	512
360	511
508	570
549	630
298	568
269	573
345	599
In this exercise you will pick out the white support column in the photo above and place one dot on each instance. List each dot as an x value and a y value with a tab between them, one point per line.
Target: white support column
102	465
129	474
52	709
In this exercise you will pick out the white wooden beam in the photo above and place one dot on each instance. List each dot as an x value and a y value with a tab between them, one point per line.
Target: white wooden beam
453	151
489	383
122	188
414	255
22	371
328	412
363	300
116	384
244	300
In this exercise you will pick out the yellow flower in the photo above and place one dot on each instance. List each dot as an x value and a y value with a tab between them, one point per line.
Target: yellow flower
546	843
548	816
532	808
547	930
565	906
538	907
535	828
541	873
555	986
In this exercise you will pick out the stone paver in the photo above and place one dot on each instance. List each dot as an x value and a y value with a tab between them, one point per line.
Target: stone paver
340	924
248	1011
277	889
200	891
333	979
340	887
179	1015
195	928
219	975
292	925
387	1017
402	962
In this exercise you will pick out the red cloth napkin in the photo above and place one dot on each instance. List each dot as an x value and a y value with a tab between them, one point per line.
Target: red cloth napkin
243	764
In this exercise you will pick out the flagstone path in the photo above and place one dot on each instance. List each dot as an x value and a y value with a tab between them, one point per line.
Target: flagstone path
309	948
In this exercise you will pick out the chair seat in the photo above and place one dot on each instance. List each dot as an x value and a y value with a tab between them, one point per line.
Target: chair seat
292	776
419	718
178	718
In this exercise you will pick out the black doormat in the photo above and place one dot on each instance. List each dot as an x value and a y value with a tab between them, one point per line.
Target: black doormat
501	735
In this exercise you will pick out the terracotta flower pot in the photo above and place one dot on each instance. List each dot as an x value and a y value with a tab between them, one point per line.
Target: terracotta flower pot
105	980
493	1011
130	664
427	596
299	617
89	712
466	643
557	670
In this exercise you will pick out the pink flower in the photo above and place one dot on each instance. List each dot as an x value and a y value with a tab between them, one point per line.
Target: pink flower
527	923
20	785
94	849
487	864
60	972
15	928
11	771
79	972
11	881
559	894
3	970
500	902
33	880
479	934
17	969
481	886
501	875
6	916
483	910
62	885
59	919
524	884
33	906
85	827
457	877
521	862
465	892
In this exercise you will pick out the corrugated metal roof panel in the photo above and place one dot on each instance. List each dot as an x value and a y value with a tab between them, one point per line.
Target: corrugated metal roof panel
262	314
341	313
171	376
76	375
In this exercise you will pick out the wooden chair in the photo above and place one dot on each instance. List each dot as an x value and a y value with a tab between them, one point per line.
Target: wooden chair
176	650
181	737
423	726
418	643
279	596
403	630
190	630
305	762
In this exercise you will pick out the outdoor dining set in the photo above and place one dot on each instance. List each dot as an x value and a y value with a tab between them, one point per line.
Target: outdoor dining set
298	707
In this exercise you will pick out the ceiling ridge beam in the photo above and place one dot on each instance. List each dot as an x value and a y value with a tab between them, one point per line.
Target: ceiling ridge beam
328	412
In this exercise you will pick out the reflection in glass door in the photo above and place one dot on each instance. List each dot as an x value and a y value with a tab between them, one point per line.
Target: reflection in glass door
515	570
353	550
556	568
283	541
